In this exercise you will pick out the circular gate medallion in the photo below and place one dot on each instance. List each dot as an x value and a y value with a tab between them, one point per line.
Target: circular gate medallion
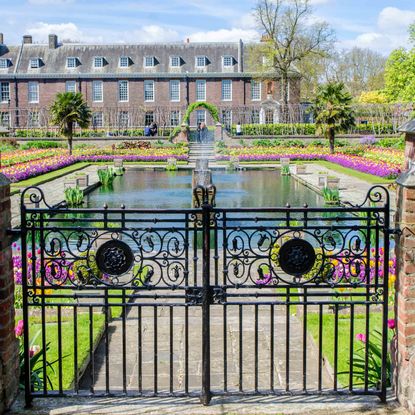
297	257
114	258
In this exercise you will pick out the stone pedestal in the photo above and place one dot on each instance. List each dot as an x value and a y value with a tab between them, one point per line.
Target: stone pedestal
218	132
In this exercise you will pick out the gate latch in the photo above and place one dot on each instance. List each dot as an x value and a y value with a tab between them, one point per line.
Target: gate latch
194	295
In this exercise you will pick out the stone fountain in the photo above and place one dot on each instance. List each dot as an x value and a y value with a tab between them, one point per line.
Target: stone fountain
202	177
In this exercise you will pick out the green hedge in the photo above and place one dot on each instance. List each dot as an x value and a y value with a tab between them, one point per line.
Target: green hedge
41	144
309	129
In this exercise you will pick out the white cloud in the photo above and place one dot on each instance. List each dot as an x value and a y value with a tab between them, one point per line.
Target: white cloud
225	35
51	2
65	31
391	31
153	33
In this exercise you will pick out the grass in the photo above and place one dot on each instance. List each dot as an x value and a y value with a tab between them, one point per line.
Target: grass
375	321
67	329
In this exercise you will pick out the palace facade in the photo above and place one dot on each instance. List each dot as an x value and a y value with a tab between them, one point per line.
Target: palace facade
133	85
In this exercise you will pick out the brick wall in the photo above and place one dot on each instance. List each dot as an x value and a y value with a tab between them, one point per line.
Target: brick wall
404	353
9	357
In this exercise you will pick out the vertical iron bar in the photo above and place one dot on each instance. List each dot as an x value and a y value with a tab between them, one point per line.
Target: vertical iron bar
368	294
155	351
107	343
206	213
124	343
225	247
305	341
256	347
140	351
91	348
272	350
336	343
320	347
75	347
42	291
60	348
186	251
171	348
287	341
186	349
351	347
225	349
240	348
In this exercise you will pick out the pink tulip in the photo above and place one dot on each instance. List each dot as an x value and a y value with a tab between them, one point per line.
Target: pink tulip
19	328
361	337
392	323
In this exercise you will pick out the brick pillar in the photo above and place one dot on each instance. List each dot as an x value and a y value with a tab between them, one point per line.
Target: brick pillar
218	132
409	148
9	349
404	353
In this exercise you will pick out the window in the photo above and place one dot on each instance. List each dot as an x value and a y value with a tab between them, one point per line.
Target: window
123	119
200	116
124	62
256	91
33	120
200	61
226	90
97	119
4	63
266	61
149	61
71	62
175	90
98	62
269	116
174	118
227	61
174	61
255	116
149	118
35	63
70	86
123	91
4	91
5	119
200	90
97	91
227	118
33	92
149	91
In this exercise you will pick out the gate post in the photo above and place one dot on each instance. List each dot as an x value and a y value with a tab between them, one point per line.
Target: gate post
9	349
206	214
404	353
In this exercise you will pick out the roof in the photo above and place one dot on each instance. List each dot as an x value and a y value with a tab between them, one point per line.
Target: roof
408	127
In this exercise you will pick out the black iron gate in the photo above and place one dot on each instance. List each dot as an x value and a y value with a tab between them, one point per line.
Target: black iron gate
207	301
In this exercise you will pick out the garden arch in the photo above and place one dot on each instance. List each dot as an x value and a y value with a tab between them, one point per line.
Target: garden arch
212	109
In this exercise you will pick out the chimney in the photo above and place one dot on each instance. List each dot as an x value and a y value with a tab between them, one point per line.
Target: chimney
188	40
27	39
53	41
1	39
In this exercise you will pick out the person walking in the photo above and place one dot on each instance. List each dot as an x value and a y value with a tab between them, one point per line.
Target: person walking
238	129
199	133
203	132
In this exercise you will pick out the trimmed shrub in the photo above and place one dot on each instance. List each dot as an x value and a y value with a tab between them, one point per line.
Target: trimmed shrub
41	145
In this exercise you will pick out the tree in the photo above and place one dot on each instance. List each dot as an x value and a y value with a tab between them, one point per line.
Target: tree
332	111
290	36
67	109
373	97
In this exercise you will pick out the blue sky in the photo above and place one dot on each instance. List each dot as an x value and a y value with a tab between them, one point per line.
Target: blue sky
378	24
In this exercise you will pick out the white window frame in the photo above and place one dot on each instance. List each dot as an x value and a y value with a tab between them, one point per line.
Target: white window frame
200	82
177	112
5	119
148	82
197	116
121	117
225	114
4	63
226	57
100	116
175	82
33	92
34	116
147	114
73	60
228	91
197	61
94	95
123	95
126	59
256	84
173	59
34	63
146	62
98	62
5	92
68	86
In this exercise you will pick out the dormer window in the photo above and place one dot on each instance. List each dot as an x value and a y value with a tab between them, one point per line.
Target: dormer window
201	61
124	62
35	63
149	61
4	63
227	61
71	62
99	62
175	61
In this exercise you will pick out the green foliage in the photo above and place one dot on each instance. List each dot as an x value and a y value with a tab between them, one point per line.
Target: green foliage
41	144
391	142
106	176
84	269
8	144
74	196
285	171
67	110
331	196
400	75
332	111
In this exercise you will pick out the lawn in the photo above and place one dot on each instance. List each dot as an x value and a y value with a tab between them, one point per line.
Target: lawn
375	323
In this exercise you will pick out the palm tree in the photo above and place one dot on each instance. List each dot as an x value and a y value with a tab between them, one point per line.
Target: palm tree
70	108
332	111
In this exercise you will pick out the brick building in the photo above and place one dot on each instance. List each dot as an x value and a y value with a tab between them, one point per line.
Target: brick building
132	85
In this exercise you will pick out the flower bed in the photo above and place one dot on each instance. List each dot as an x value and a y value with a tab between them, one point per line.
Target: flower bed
10	158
